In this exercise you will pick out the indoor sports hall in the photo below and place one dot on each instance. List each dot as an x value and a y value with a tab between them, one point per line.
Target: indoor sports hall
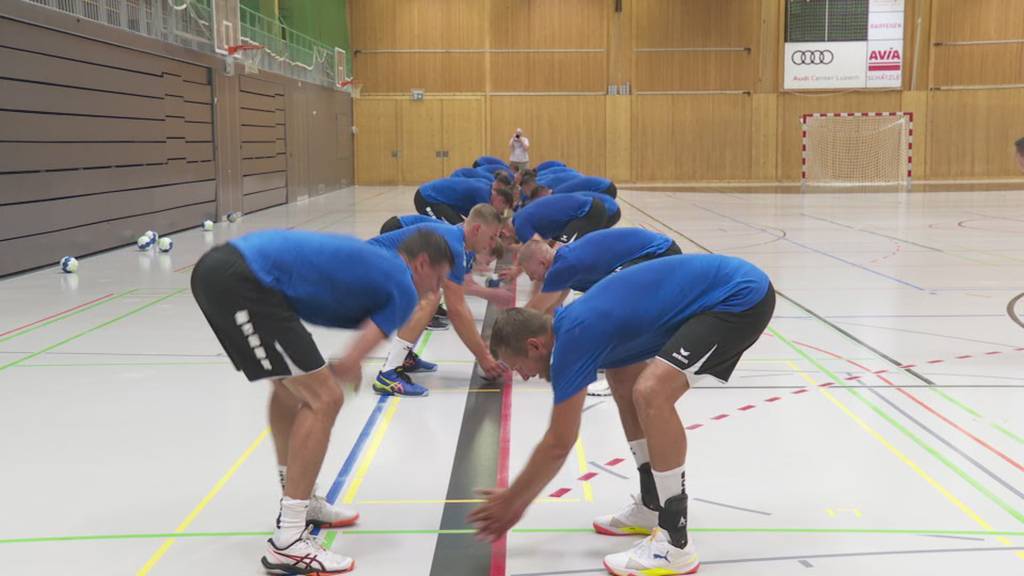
866	155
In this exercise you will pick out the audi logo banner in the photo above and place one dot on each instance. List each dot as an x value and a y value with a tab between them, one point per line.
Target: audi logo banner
815	65
811	57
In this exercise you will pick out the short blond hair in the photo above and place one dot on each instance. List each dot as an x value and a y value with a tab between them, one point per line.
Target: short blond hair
513	327
533	249
484	214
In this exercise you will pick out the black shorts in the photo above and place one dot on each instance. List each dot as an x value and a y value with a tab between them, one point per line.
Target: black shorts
594	220
255	324
611	190
436	210
390	225
613	219
710	344
672	250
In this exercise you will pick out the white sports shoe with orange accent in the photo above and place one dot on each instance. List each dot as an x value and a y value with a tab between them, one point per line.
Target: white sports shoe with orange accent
654	556
323	514
634	519
305	556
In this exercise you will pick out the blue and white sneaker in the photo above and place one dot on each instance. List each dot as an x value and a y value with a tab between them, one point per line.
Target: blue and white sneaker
397	382
413	364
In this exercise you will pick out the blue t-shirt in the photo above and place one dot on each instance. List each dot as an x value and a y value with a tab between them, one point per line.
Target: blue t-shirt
472	173
631	315
554	180
459	193
454	235
581	264
548	216
549	164
414	219
493	169
610	205
483	160
330	279
582	184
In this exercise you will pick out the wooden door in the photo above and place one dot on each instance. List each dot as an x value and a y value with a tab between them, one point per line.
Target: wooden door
421	141
377	148
463	132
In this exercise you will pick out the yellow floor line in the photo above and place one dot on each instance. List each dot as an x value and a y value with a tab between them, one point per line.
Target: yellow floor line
371	451
148	566
903	458
581	462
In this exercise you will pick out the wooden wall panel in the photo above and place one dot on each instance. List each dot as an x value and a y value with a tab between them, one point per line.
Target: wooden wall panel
392	73
376	141
978	20
549	72
700	24
971	133
266	199
96	137
463	132
566	128
262	109
692	137
619	139
792	106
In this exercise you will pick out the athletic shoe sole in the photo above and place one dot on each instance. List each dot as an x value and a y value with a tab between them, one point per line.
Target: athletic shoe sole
648	571
338	524
289	570
628	531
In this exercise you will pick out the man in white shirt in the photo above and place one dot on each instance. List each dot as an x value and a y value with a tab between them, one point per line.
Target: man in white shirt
519	146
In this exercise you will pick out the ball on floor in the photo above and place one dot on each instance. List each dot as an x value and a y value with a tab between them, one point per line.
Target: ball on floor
208	225
144	242
69	264
165	244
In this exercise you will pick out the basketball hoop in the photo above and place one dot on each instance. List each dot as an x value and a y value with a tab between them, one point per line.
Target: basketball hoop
249	54
351	86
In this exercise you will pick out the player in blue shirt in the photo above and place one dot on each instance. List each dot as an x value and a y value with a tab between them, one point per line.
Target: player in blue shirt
580	265
472	173
485	160
255	291
495	169
694	316
555	177
497	296
477	235
561	218
586	184
549	164
451	199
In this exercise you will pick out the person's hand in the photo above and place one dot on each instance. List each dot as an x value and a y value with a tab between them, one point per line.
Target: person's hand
347	372
511	273
491	368
503	298
497	515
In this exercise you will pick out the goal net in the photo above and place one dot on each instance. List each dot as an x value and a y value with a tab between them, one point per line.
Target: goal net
857	148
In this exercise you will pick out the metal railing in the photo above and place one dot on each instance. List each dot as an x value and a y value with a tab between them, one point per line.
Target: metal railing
185	23
287	51
188	23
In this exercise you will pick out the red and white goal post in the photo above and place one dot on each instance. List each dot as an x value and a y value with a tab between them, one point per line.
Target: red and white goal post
857	148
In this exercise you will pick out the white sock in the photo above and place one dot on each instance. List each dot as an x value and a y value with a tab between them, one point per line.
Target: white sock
639	450
291	522
282	475
669	483
396	353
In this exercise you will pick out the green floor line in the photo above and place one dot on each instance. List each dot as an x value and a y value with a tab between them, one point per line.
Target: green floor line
90	330
956	402
106	364
65	316
903	430
1008	433
587	530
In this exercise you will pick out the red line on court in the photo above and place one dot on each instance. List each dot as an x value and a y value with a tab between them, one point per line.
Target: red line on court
747	407
62	312
183	268
615	462
556	494
924	405
694	426
587	476
773	399
499	549
800	391
720	417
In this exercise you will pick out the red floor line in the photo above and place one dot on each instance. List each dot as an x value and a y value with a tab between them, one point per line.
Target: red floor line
773	399
615	462
499	549
62	312
747	407
587	476
924	405
720	417
556	494
800	391
694	426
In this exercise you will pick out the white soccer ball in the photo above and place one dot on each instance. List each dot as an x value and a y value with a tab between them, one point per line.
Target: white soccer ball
69	264
165	244
208	225
234	216
152	235
144	242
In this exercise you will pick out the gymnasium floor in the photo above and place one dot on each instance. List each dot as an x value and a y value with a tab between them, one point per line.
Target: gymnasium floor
131	446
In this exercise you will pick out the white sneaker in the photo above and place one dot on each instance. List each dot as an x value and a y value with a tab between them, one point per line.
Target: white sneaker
653	556
305	556
635	518
599	388
323	514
